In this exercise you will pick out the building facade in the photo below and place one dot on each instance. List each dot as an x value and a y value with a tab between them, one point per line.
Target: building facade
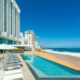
30	39
22	39
9	22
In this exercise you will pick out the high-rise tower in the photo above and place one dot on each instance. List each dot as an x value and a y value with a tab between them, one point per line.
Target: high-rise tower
9	21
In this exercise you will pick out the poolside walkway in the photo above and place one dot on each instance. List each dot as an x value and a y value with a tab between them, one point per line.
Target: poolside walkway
66	60
1	59
26	71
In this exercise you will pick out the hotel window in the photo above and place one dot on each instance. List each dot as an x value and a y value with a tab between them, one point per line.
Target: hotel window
5	15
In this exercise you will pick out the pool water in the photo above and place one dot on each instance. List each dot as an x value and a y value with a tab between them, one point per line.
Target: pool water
45	68
26	57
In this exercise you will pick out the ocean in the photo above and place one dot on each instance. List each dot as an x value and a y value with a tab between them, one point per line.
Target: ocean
77	50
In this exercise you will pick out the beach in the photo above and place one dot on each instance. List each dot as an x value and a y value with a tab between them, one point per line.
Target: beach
77	54
67	60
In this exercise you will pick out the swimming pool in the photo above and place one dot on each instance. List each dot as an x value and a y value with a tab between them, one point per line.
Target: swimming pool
48	69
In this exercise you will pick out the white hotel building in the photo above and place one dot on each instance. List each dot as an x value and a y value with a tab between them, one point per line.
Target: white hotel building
28	39
9	22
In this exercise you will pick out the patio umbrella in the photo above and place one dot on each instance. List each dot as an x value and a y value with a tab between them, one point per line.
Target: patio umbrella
6	47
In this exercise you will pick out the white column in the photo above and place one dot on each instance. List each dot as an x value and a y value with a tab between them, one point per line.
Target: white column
13	19
18	24
1	15
9	17
15	24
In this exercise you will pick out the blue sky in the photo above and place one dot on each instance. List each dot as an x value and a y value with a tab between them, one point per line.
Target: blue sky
55	22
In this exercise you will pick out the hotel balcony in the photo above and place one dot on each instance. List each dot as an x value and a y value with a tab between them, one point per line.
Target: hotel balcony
10	36
4	34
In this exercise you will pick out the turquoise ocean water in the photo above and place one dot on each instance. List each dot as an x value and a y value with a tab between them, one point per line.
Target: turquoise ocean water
66	49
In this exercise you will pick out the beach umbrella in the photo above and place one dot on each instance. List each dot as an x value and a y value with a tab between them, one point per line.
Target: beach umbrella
6	47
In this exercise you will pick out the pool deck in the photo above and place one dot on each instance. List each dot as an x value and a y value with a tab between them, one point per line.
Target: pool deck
66	60
27	75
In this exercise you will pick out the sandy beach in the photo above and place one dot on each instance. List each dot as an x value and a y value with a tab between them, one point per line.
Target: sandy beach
66	60
77	54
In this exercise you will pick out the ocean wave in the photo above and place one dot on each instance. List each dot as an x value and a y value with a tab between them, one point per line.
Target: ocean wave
64	53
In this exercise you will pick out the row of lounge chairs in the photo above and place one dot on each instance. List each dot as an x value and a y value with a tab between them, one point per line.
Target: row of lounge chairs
12	68
11	61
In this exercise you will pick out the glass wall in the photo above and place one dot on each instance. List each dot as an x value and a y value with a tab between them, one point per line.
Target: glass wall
10	42
3	41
